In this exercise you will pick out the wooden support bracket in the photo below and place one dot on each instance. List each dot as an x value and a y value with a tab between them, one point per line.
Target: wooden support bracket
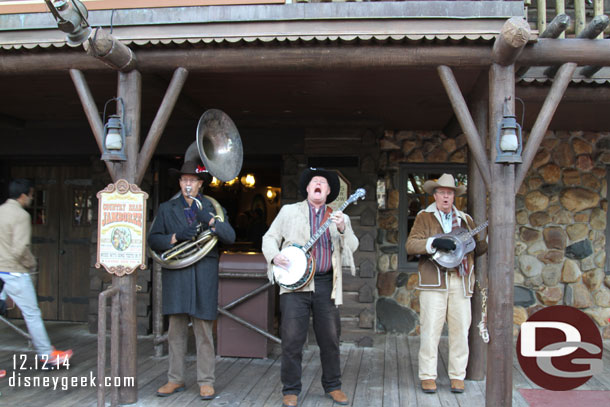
86	99
463	114
543	120
160	121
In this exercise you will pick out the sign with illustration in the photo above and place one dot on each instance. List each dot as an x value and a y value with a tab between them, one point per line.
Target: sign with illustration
121	228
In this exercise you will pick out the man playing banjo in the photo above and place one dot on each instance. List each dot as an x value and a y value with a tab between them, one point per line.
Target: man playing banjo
295	224
445	292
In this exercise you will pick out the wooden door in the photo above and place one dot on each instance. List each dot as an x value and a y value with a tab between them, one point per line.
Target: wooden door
61	238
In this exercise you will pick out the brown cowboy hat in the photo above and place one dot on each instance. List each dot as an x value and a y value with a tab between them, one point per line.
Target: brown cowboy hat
445	181
331	177
193	168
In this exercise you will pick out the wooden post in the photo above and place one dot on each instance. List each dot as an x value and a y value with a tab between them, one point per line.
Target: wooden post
477	207
130	90
598	10
514	35
580	17
560	8
541	17
499	385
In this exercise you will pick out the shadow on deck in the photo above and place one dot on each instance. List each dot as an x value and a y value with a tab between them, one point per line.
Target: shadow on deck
383	375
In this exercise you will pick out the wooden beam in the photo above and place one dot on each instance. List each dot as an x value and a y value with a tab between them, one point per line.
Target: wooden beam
514	35
545	51
160	121
550	51
461	111
501	254
592	30
556	27
105	47
477	207
543	120
93	116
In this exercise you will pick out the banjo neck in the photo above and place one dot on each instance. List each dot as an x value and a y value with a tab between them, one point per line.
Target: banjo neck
354	197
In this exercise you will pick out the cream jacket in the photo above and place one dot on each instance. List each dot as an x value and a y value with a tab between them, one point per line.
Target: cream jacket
291	226
15	237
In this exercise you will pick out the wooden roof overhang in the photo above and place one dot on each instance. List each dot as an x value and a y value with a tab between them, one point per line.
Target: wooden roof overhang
278	66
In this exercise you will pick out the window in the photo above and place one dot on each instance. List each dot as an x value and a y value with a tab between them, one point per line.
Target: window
38	209
81	207
413	199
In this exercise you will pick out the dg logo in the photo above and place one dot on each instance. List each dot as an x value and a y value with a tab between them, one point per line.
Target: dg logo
560	348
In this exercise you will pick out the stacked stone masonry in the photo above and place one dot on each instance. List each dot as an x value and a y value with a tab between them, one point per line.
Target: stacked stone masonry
560	235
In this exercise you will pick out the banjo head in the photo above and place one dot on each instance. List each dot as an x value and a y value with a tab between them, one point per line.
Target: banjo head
453	258
291	277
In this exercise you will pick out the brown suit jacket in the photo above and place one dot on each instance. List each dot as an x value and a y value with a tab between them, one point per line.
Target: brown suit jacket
427	224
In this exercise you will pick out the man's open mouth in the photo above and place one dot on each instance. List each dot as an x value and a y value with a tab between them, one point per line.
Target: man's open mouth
317	190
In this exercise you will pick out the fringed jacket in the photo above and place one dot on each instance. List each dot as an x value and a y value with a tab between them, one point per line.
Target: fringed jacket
291	226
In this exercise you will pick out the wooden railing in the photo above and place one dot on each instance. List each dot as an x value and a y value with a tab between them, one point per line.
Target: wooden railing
539	12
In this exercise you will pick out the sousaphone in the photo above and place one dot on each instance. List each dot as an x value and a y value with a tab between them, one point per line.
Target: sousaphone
219	146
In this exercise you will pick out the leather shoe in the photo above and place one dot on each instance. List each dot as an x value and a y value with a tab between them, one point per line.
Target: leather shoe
289	400
170	388
457	386
206	392
428	386
338	397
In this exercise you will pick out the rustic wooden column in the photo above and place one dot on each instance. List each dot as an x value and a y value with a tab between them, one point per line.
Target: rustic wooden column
477	207
130	90
499	386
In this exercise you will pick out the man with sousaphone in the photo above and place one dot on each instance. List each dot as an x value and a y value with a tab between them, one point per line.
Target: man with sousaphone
445	290
190	289
317	288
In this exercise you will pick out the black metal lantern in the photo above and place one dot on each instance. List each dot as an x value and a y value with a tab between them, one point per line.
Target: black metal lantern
509	143
113	144
71	17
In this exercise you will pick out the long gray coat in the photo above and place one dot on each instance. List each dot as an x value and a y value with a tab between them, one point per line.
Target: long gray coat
192	290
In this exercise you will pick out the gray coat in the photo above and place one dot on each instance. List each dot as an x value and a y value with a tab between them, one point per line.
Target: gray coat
192	290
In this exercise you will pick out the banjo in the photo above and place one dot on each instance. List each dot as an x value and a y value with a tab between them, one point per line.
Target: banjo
464	244
301	268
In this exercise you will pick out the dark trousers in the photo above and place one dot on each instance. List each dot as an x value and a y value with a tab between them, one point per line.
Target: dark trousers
296	308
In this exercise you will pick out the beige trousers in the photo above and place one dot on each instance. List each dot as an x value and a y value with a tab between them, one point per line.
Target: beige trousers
435	307
177	340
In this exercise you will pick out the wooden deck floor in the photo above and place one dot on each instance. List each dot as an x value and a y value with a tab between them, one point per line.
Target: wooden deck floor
383	375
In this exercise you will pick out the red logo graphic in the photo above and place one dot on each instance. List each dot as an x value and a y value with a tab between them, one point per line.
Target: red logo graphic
560	348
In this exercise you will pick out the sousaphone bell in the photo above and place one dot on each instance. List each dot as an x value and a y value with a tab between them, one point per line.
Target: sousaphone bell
219	147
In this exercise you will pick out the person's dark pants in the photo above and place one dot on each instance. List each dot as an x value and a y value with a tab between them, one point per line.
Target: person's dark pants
296	308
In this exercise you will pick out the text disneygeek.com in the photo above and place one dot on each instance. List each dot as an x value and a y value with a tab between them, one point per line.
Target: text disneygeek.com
65	383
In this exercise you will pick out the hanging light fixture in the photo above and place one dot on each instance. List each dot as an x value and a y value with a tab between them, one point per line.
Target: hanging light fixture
509	143
113	145
270	194
248	180
71	17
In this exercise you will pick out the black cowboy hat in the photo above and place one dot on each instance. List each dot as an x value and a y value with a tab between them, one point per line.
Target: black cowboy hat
331	177
193	168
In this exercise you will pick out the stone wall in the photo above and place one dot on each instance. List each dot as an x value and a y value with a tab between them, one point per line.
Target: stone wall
397	304
559	237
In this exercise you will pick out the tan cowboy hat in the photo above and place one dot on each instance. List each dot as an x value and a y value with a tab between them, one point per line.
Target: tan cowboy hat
445	181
